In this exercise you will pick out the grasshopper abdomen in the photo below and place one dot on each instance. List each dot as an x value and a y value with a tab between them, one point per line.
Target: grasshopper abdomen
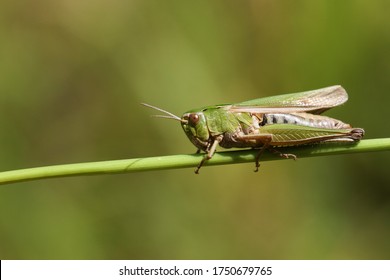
304	119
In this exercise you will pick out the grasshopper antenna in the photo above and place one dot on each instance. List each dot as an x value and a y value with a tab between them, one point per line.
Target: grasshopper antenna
170	115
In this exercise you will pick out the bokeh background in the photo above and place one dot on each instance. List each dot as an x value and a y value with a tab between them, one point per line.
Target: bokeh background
72	76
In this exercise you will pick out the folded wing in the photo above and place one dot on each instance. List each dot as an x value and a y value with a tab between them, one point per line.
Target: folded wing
314	101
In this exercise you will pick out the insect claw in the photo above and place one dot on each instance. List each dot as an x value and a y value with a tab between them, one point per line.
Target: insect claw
257	158
283	155
294	157
200	165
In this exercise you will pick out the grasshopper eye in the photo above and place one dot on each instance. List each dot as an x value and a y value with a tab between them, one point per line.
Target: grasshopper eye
193	119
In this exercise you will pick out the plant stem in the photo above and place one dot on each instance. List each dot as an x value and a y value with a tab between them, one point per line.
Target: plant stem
185	161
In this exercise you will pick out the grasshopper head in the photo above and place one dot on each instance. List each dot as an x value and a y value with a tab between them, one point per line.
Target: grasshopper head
195	127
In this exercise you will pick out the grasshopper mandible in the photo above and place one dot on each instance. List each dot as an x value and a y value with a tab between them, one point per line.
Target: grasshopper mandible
265	123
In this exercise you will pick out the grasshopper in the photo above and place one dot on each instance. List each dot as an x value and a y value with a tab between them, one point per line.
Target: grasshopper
265	123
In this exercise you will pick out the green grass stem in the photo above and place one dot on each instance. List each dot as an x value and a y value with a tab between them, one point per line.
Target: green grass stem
185	161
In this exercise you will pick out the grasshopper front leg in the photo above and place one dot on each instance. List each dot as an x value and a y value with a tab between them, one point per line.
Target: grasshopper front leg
210	152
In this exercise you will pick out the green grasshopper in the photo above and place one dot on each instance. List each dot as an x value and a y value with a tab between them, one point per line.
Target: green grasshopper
265	123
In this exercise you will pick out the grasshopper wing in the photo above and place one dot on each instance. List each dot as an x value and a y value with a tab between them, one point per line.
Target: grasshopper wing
314	101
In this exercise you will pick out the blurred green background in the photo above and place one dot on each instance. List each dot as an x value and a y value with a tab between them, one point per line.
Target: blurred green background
72	75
